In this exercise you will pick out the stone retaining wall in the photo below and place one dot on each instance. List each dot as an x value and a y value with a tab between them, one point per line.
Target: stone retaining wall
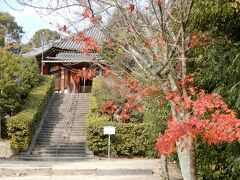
5	150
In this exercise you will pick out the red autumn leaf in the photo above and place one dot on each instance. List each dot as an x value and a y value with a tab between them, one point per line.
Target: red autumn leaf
132	7
64	28
129	29
162	38
161	105
139	108
85	51
90	43
159	2
96	19
146	43
109	107
87	13
81	35
125	117
75	78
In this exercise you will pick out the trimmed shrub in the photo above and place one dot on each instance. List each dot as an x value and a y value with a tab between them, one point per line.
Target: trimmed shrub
22	126
130	139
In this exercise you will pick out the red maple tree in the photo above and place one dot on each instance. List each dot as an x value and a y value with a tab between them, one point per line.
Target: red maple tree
209	118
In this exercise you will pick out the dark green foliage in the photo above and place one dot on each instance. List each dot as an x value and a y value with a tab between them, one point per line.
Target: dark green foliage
9	25
130	140
217	17
217	69
155	117
220	161
17	76
22	126
3	126
45	35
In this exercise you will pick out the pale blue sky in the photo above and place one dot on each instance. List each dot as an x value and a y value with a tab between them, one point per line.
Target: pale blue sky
28	19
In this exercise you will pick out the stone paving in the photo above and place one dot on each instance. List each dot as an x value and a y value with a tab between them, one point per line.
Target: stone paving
96	168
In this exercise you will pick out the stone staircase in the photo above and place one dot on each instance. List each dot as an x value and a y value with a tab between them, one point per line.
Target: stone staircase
63	135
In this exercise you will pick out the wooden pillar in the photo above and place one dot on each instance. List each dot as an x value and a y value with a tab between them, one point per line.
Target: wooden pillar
62	80
68	81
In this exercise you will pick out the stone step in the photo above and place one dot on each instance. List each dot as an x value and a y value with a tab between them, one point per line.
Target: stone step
63	139
62	129
62	156
72	95
58	115
55	113
63	145
59	147
66	99
66	145
76	137
56	135
56	139
64	125
69	104
52	128
58	102
70	110
69	121
55	127
59	151
64	121
51	143
73	106
79	104
64	110
66	114
54	158
56	149
48	130
76	118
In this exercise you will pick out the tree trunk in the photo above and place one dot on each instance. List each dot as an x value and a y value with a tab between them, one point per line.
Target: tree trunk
186	155
164	167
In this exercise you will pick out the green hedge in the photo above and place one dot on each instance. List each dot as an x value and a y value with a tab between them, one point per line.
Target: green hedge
130	140
22	126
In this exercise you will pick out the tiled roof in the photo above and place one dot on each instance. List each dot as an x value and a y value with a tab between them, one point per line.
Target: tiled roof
73	57
37	51
92	32
70	44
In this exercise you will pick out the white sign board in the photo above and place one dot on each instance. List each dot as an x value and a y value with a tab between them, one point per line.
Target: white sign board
109	130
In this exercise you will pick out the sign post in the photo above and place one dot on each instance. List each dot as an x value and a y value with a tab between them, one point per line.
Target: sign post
109	130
